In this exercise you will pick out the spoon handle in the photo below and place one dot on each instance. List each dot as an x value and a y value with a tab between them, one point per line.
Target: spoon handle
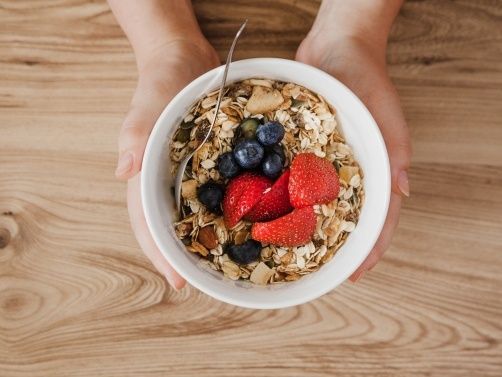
181	169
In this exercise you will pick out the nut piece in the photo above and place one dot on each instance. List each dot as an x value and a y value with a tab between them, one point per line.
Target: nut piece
261	274
287	258
260	82
264	100
240	237
196	247
347	172
189	189
183	229
208	237
231	270
208	164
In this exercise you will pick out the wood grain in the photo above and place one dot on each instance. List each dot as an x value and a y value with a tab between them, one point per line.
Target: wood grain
77	296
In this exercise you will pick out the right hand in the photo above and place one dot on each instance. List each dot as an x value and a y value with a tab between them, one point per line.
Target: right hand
165	72
361	66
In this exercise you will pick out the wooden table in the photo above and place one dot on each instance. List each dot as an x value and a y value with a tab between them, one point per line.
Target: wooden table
77	296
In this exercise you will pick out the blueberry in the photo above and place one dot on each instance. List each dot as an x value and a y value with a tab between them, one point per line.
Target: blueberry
227	166
245	253
248	153
247	128
211	194
270	133
277	149
272	165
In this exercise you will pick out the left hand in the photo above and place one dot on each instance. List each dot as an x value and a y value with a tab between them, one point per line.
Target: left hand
161	75
361	66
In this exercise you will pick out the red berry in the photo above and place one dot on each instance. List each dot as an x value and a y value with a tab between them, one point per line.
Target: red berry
313	180
242	193
293	229
274	203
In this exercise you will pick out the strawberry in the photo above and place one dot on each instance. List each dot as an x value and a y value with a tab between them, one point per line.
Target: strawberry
274	203
242	193
293	229
313	180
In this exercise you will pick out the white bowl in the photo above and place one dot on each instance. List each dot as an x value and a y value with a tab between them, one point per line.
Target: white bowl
361	133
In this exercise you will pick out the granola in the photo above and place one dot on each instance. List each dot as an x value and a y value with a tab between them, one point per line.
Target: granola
310	125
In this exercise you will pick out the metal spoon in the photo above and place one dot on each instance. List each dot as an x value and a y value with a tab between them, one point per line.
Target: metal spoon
181	169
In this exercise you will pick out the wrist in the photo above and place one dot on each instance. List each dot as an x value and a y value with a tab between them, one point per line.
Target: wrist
363	21
176	46
188	57
152	25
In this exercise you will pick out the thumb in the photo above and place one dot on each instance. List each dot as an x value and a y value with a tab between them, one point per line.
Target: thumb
397	140
147	104
387	112
390	118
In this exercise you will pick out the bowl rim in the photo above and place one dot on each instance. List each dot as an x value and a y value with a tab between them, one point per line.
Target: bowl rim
149	158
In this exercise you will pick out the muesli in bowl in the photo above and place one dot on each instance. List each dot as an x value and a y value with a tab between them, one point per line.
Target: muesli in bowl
275	191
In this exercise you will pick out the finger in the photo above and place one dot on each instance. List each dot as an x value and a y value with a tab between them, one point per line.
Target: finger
148	102
387	112
144	238
384	240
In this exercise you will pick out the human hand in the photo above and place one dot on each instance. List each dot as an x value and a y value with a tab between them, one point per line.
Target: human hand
360	64
161	75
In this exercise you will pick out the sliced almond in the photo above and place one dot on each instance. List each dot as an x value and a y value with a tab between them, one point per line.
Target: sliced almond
287	258
231	270
348	226
208	102
285	105
292	277
196	247
261	82
240	237
261	274
189	189
266	253
208	164
347	172
355	181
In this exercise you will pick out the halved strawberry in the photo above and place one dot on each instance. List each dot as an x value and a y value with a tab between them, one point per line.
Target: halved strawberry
313	180
293	229
274	203
241	194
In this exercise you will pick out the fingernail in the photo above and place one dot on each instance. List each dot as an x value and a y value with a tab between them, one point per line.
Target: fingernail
403	183
358	276
124	164
172	283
